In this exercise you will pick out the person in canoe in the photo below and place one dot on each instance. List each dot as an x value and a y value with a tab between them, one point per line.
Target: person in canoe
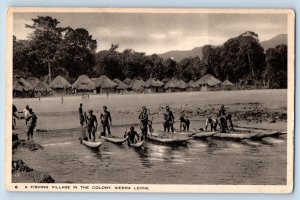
92	125
213	123
106	121
184	123
31	124
132	135
143	117
81	116
169	120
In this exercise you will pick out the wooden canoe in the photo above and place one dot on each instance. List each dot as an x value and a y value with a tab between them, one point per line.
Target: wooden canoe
93	145
235	136
172	140
265	134
137	145
115	140
204	134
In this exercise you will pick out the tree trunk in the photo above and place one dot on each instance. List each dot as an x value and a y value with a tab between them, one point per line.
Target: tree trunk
49	72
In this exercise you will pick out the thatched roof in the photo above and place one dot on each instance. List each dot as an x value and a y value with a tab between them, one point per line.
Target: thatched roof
127	81
165	80
182	84
83	83
138	85
22	85
42	87
121	85
153	82
94	80
192	84
59	83
105	83
209	80
172	83
33	81
226	83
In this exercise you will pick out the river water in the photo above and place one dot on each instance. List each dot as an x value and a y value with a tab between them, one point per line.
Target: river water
199	162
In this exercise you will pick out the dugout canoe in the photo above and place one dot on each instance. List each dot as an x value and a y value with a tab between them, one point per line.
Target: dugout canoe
235	136
265	134
168	141
202	135
115	140
93	145
137	145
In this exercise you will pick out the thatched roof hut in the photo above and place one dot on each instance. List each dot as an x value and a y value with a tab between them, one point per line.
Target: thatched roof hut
138	85
153	82
105	83
33	81
182	84
83	83
192	84
42	87
21	85
127	81
121	85
172	83
59	83
209	80
226	83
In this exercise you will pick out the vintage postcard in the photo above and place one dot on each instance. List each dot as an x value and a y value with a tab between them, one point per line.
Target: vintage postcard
150	100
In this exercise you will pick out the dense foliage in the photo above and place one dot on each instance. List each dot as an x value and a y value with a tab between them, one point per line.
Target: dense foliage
55	50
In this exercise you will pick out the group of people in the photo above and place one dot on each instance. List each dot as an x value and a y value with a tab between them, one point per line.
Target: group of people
90	122
30	120
223	120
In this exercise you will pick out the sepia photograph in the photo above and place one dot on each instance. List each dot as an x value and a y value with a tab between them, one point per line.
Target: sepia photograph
150	100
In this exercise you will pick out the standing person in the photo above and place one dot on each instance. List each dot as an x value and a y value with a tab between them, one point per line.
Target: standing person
106	120
184	122
26	113
223	119
92	125
169	120
62	99
14	116
32	121
132	134
143	117
81	116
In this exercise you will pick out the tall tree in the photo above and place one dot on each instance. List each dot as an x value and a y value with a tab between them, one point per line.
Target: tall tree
276	67
45	41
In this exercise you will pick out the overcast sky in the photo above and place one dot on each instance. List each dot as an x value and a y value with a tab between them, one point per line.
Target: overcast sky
158	33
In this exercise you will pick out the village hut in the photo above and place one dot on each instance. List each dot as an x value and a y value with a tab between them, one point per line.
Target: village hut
22	88
83	84
128	81
138	85
226	85
122	87
182	85
59	85
208	82
33	81
173	85
192	86
42	89
105	85
154	85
